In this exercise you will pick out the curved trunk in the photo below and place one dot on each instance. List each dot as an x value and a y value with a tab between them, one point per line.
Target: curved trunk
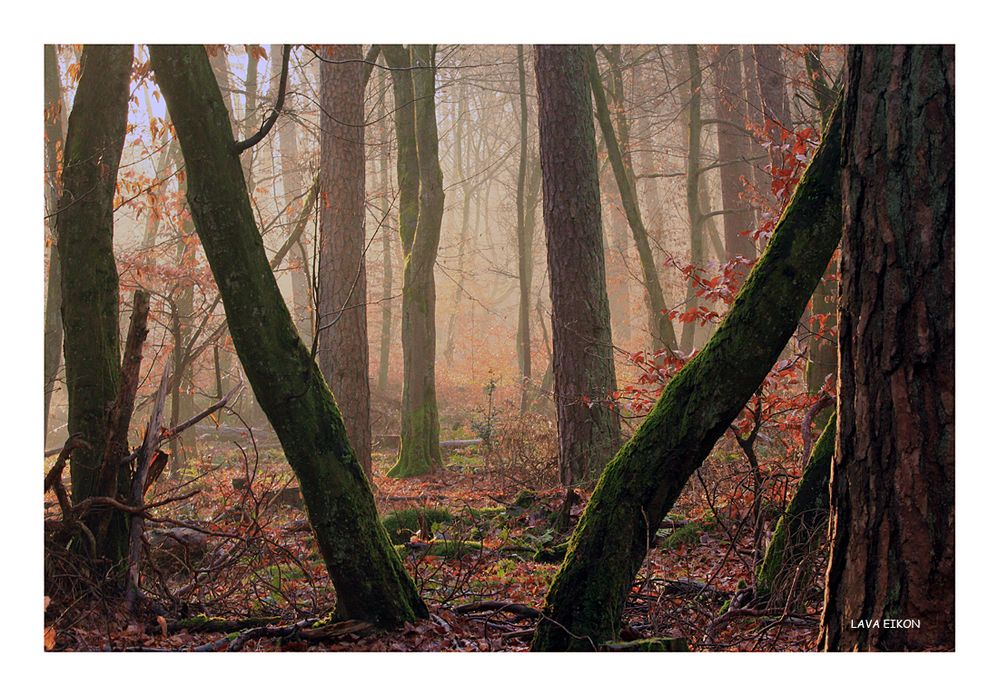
368	575
421	208
641	484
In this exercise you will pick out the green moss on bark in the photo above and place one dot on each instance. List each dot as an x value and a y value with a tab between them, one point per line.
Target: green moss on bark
641	484
369	577
85	225
806	513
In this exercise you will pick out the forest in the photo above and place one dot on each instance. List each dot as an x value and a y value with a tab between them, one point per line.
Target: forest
480	347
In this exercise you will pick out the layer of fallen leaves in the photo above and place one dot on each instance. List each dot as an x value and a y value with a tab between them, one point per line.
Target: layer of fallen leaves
264	562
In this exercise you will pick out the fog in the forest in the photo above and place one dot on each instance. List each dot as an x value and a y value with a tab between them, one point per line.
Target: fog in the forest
478	113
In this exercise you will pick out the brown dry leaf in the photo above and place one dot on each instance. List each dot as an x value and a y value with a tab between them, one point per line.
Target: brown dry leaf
48	601
163	625
50	637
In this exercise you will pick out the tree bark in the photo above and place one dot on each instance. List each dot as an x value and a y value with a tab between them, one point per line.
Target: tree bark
85	224
589	430
892	491
343	317
368	575
419	449
641	484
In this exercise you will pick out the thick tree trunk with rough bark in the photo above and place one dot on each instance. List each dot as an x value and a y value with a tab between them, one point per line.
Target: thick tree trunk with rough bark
343	317
53	292
589	430
85	226
369	577
416	131
892	499
642	483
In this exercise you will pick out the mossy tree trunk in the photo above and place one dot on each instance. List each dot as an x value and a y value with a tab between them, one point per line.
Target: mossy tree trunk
343	317
368	575
802	523
589	430
53	291
892	492
659	324
420	228
642	483
85	225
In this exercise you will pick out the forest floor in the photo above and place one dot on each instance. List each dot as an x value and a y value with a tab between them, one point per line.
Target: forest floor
244	556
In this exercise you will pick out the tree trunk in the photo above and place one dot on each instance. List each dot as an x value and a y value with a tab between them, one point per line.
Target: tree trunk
525	246
660	326
85	225
53	292
733	154
589	430
385	338
773	95
803	523
343	317
294	186
892	499
641	484
419	449
695	216
368	575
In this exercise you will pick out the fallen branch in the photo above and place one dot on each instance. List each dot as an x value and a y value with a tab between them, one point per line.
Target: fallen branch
498	606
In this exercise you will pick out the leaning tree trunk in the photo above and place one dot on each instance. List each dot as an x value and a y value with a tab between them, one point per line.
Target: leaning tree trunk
892	491
802	524
588	429
343	317
53	292
370	580
641	484
419	437
660	326
85	226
